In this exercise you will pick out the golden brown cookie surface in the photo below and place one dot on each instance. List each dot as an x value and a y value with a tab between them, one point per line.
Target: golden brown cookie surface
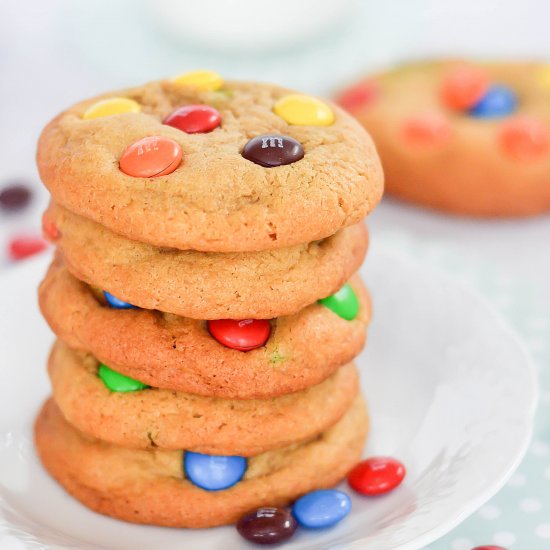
441	156
113	480
210	285
215	200
174	420
177	353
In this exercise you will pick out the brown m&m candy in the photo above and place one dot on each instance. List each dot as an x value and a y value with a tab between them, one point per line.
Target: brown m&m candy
14	197
267	525
272	150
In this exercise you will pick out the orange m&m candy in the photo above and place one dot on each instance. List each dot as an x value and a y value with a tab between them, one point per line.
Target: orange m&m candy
151	157
427	129
524	138
463	87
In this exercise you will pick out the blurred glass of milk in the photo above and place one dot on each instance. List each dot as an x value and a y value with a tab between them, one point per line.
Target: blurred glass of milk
258	26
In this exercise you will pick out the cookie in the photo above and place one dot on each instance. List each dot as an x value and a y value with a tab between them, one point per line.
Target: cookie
214	285
175	420
149	175
462	137
148	486
178	353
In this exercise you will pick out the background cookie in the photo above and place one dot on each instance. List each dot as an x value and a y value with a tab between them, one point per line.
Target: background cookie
113	480
460	136
178	353
212	285
199	191
154	417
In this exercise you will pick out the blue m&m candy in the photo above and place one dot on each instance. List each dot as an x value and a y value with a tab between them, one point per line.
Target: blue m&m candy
498	101
322	508
115	303
213	473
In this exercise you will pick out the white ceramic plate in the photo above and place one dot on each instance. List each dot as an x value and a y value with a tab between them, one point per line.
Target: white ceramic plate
451	393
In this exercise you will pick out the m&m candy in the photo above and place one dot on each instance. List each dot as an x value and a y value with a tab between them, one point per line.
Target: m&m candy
303	110
23	247
524	138
322	508
427	130
151	157
543	78
211	472
200	80
490	547
376	476
267	525
115	303
14	197
194	119
270	150
344	303
498	101
357	96
243	335
463	87
49	229
117	382
111	106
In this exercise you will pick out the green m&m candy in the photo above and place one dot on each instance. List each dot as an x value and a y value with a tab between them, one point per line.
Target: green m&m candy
118	382
344	303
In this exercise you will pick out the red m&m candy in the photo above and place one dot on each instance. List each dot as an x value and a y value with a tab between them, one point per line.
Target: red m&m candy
463	87
525	138
357	96
194	119
151	157
376	476
488	548
23	247
49	229
244	335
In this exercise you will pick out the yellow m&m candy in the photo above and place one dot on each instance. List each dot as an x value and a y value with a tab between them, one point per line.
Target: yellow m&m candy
543	78
303	110
203	81
112	106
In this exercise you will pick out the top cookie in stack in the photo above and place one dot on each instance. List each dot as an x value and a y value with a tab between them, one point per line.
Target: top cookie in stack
226	218
210	187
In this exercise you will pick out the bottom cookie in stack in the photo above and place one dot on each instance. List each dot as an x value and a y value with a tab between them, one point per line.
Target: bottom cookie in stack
152	486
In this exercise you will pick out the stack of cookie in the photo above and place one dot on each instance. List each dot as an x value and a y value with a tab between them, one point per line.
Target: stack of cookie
205	298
